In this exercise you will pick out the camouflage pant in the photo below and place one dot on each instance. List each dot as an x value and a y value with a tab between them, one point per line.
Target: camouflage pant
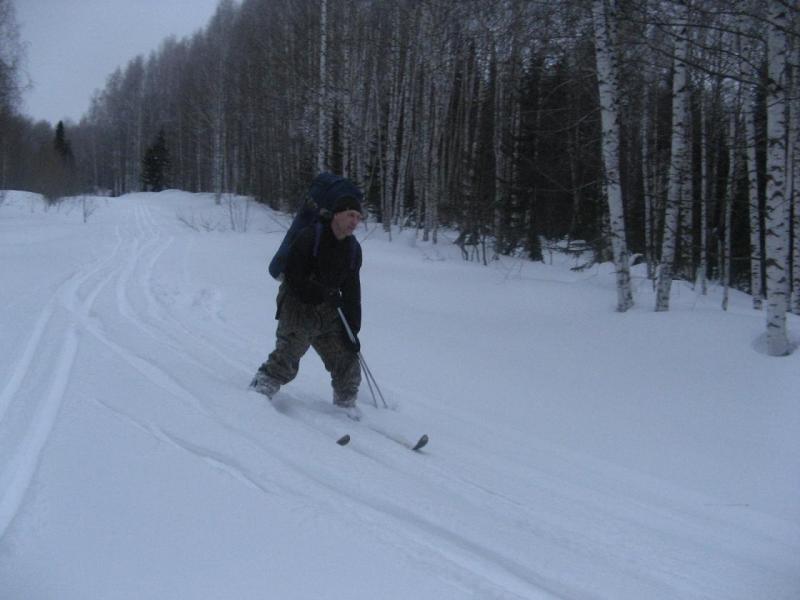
303	325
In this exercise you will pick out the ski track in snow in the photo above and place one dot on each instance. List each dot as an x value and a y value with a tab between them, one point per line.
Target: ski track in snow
456	546
134	272
65	317
32	426
466	558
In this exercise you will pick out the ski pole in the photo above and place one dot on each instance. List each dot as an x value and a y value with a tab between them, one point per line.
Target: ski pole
369	382
367	373
371	377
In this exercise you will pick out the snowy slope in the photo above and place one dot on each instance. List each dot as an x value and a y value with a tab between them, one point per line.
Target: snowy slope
575	452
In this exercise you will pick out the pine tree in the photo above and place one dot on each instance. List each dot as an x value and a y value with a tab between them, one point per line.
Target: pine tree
58	178
155	164
62	146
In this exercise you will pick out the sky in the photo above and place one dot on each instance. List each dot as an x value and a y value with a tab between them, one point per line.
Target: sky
74	45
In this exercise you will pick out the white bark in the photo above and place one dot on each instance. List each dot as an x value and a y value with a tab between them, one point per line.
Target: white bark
499	156
686	227
217	151
397	83
777	208
649	178
794	162
322	111
702	271
604	16
749	113
678	170
756	276
729	195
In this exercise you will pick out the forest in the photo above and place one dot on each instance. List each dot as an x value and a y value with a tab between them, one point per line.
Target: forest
664	133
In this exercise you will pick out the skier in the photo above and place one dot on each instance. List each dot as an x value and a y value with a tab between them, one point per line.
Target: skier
321	276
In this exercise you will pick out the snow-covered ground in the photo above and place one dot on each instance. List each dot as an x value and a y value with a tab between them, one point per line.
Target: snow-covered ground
575	452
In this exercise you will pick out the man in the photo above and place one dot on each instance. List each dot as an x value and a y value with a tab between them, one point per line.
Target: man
321	276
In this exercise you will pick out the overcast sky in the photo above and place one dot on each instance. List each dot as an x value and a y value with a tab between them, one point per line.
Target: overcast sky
74	45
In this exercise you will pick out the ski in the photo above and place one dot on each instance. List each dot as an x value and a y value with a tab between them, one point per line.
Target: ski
421	442
356	419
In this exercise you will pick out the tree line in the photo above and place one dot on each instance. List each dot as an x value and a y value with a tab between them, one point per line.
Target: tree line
664	132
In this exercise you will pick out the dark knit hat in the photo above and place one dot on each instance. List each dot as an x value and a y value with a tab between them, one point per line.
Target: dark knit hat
344	203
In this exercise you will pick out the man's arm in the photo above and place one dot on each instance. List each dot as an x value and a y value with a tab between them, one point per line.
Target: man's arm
351	294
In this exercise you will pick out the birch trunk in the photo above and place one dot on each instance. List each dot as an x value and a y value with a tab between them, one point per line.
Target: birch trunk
729	195
424	165
677	169
409	123
794	161
777	208
499	157
322	111
396	83
604	16
437	136
702	271
649	184
754	212
686	227
217	147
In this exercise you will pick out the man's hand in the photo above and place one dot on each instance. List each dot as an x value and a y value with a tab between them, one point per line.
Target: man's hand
353	345
333	297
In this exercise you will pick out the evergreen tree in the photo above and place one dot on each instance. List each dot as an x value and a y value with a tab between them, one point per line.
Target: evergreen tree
155	164
58	177
62	146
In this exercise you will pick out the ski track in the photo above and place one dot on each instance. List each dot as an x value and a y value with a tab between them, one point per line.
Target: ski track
467	558
32	433
242	451
416	530
227	463
64	317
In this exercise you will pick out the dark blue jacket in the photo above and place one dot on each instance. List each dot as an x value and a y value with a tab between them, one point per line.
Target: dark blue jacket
316	265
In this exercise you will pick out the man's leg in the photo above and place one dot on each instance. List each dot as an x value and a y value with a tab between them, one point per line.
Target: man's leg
293	338
341	362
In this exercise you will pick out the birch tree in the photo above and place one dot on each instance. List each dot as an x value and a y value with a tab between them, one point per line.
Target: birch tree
476	115
217	66
395	100
777	207
702	271
749	76
604	19
730	193
678	168
322	107
794	141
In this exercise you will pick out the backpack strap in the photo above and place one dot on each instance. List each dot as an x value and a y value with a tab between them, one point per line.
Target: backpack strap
317	237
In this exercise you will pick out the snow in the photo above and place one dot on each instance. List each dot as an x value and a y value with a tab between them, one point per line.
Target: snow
575	452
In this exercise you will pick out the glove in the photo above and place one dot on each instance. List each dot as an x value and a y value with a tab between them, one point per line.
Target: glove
353	345
333	297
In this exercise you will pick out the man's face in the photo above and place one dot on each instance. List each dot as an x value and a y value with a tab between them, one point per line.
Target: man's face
344	223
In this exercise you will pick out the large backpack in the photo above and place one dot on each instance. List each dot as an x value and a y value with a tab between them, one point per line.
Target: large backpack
324	191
